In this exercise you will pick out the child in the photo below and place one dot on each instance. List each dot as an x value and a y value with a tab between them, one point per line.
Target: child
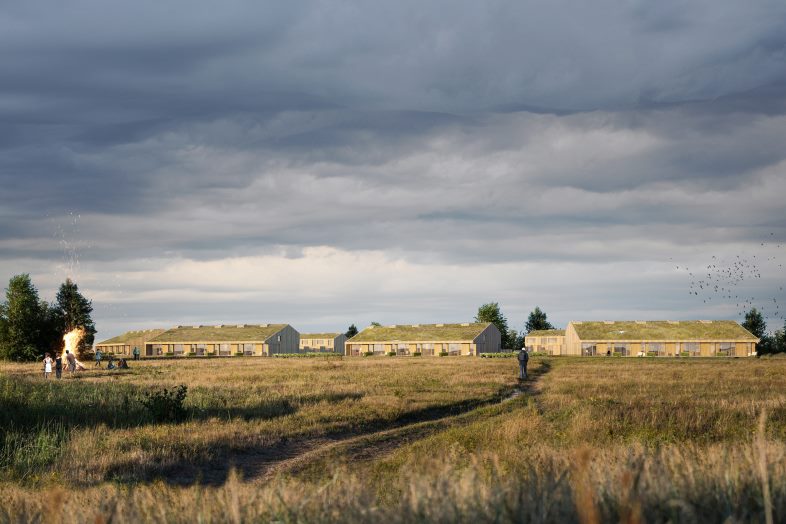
59	366
47	365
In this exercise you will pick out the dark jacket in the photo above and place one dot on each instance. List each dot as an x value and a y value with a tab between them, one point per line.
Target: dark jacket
523	357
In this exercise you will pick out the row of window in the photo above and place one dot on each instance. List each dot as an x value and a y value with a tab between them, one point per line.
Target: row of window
659	348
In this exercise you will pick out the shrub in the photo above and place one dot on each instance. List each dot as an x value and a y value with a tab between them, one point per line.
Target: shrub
443	353
166	405
192	354
239	354
368	354
417	354
499	355
391	353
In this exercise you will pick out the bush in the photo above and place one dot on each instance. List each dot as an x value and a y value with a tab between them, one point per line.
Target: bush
417	354
499	355
368	354
239	354
166	405
443	353
391	353
192	354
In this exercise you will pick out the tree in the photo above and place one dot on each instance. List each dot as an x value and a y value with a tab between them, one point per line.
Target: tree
537	320
74	310
376	324
754	322
491	313
516	339
351	331
21	318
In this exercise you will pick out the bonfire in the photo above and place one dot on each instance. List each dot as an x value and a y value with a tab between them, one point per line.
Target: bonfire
72	339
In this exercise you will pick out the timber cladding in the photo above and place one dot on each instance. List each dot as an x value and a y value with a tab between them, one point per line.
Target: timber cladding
426	339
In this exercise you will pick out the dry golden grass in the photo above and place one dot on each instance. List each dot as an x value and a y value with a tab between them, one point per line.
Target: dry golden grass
594	440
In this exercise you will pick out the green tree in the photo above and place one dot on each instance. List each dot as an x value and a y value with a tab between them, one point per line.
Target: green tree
537	320
376	324
74	311
516	339
21	320
754	322
351	331
491	313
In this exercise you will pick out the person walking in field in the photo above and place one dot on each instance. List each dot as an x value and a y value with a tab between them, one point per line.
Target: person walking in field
523	360
98	358
59	366
71	360
47	365
136	353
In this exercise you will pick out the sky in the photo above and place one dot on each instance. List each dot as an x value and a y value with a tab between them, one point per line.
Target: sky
323	163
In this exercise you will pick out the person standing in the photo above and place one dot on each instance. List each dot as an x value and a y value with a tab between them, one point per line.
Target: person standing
47	365
59	366
71	359
523	360
136	353
98	358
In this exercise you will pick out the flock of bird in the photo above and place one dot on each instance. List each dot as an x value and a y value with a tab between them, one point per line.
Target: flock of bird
731	280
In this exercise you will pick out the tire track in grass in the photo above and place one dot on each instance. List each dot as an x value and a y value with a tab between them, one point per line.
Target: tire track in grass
376	444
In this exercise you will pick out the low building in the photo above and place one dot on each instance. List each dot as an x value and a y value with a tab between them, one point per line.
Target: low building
685	338
322	342
548	341
225	340
124	344
426	339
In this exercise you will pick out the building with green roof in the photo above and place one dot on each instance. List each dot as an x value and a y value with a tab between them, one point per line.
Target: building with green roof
704	338
322	342
548	341
225	340
124	344
427	339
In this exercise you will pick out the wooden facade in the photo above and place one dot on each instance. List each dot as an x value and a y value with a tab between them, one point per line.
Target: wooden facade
123	345
685	338
322	342
548	341
225	341
426	340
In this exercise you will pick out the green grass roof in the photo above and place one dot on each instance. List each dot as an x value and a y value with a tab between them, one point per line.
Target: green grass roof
226	333
132	336
546	333
424	332
320	335
721	330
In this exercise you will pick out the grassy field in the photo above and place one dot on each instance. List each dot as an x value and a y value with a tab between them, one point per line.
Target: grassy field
399	440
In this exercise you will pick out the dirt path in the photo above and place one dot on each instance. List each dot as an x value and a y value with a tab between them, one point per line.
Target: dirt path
299	457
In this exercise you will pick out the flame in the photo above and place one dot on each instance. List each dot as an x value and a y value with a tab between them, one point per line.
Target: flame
72	339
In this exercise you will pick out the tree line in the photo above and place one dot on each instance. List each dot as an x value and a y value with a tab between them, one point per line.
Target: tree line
769	343
512	339
29	326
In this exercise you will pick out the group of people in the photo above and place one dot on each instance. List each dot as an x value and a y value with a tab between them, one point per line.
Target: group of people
57	363
72	364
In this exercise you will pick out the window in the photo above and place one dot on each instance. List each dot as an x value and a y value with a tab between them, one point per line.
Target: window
654	349
690	348
621	348
157	349
355	349
248	349
224	349
726	349
379	348
551	340
454	349
402	349
428	349
178	349
588	349
201	349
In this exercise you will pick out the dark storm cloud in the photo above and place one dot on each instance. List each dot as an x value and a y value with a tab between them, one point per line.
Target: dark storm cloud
459	133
